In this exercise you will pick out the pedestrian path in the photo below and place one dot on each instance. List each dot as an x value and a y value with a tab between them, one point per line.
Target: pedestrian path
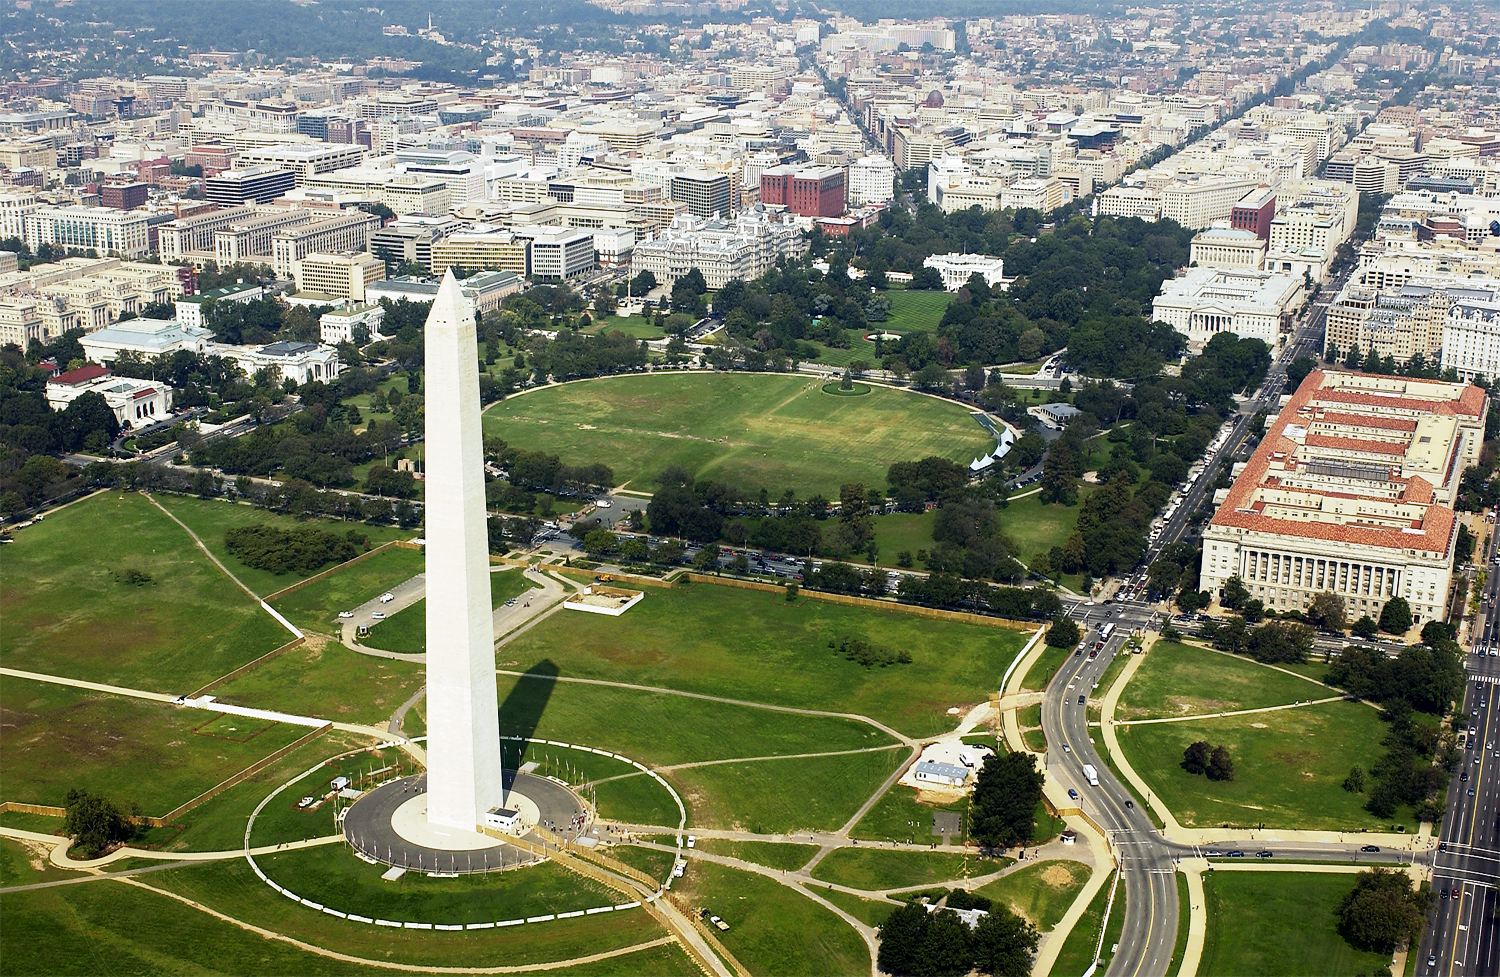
1233	712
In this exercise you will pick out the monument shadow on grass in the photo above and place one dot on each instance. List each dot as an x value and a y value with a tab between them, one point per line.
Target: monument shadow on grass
521	714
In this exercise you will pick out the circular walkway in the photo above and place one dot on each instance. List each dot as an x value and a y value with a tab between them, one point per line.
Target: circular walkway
377	827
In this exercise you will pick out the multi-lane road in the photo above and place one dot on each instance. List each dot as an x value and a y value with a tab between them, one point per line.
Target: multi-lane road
1461	937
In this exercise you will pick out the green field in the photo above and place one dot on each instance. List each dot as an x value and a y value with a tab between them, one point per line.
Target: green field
210	519
1045	666
770	431
66	612
877	869
914	311
635	326
1279	924
1041	893
1288	767
1180	680
773	931
659	728
900	531
1078	949
898	816
782	796
132	751
406	630
332	875
753	645
23	865
872	912
1036	526
654	862
318	604
232	888
327	680
767	853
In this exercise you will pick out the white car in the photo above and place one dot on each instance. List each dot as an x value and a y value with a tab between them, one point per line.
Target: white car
692	841
378	615
346	614
387	597
603	503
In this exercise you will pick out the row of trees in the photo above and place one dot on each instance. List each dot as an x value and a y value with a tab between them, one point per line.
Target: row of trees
303	550
916	941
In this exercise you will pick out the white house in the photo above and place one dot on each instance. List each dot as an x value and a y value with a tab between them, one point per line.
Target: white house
956	269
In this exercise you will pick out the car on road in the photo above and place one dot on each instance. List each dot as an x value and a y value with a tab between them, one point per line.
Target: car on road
1471	792
1082	699
1072	794
511	602
379	616
1067	748
1213	853
387	597
1130	804
1370	848
1463	778
346	614
1236	854
1264	854
1432	960
1456	892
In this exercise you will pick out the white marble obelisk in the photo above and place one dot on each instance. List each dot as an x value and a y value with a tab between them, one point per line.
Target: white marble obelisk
463	731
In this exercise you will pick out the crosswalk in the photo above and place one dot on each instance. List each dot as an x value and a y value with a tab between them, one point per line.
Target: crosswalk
1486	679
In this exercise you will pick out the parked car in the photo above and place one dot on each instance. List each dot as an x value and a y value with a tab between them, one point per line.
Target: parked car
387	597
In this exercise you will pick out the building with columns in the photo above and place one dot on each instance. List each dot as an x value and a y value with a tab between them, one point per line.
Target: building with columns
1351	492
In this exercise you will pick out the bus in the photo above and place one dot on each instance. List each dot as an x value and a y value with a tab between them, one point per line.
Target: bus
1105	631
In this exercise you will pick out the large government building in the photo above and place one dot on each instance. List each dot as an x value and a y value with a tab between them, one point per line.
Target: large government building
1352	492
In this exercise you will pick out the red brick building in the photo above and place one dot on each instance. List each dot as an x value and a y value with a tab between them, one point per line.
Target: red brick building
1254	213
809	193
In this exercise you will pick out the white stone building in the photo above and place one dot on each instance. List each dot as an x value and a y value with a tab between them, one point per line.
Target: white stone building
338	325
956	268
1227	248
744	247
1206	301
872	180
135	402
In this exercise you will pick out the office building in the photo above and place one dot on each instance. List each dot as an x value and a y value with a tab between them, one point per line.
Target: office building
486	249
1254	213
744	248
872	181
351	324
106	230
305	160
178	238
1227	247
1351	492
1471	336
124	196
145	338
350	231
344	275
558	252
817	192
705	194
1250	304
255	184
190	308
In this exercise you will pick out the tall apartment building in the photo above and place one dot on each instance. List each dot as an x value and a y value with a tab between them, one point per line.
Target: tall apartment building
872	180
705	194
341	276
1351	492
817	192
348	232
255	184
105	230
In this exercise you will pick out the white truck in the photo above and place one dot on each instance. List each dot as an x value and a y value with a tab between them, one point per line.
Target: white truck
1091	775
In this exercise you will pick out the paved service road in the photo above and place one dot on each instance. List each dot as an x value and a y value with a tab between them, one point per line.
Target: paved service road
1461	936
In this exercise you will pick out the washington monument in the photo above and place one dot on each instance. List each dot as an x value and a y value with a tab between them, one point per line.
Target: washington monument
463	729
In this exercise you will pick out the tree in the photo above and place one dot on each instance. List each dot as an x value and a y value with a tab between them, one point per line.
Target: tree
706	558
1235	594
1280	642
1063	632
1003	943
1395	616
1195	757
1220	764
1060	475
1253	611
1006	794
1382	912
1355	782
1327	612
94	822
1364	628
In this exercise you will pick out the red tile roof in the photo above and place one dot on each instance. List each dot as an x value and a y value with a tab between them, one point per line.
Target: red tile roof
81	375
1355	444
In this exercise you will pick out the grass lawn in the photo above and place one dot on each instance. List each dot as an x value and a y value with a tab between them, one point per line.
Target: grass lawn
657	728
655	863
406	630
133	751
876	869
1078	949
232	888
210	519
909	531
771	431
1184	914
318	604
635	326
218	824
620	791
332	875
752	645
1279	924
859	348
1180	680
117	928
21	864
767	853
1041	893
324	679
898	816
66	613
773	931
282	820
914	311
871	912
1036	526
1288	767
777	796
1046	666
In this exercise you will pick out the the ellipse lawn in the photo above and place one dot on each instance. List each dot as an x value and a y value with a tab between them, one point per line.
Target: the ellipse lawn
752	430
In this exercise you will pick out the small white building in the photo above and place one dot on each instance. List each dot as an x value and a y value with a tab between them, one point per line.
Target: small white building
135	402
945	774
190	307
956	269
298	362
338	325
147	338
502	819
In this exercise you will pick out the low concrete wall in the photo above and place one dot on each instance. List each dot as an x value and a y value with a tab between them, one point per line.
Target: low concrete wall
248	666
238	778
